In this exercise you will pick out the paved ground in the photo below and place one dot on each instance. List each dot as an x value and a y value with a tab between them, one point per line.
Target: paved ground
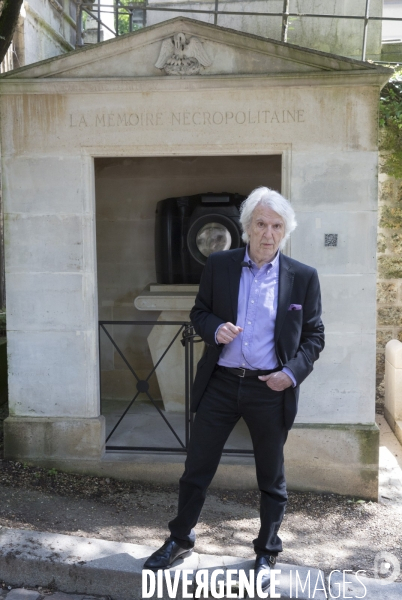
324	532
116	570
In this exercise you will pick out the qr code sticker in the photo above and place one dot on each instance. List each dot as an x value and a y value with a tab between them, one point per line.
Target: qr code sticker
331	239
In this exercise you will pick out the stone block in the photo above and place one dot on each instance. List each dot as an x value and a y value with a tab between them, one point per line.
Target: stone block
386	292
383	336
342	386
381	242
27	438
391	217
399	192
380	365
30	193
395	242
45	243
348	302
391	316
53	373
341	458
350	256
334	183
387	191
49	301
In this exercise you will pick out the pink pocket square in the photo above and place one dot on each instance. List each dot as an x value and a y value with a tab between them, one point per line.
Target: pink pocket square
295	307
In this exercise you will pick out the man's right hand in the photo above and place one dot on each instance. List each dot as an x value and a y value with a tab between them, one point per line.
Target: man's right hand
227	333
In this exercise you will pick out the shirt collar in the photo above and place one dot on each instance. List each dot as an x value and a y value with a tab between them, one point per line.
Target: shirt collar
267	266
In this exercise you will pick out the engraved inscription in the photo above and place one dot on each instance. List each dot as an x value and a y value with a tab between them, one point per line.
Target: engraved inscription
187	118
241	117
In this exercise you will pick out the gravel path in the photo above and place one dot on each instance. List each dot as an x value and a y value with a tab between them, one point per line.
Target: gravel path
326	531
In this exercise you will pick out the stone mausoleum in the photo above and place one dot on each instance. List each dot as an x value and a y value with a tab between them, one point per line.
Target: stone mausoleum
91	141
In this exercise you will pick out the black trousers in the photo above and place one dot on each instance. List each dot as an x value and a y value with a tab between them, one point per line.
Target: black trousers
226	399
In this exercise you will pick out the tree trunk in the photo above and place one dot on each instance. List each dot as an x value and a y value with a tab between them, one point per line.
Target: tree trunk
8	22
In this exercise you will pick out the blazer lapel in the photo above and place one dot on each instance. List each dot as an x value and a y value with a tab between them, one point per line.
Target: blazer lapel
234	281
286	276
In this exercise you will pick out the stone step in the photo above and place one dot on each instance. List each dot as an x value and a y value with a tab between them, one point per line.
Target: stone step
78	565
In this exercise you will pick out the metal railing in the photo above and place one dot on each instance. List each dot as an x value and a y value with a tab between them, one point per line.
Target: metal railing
135	13
183	421
142	385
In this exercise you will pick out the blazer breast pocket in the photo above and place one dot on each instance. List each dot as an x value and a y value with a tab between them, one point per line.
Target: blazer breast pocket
292	325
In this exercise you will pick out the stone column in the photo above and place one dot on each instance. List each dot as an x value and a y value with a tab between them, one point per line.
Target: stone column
52	310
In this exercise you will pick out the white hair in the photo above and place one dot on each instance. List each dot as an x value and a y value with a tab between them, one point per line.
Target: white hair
273	200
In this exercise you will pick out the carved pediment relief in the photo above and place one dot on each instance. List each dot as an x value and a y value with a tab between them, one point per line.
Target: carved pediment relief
181	55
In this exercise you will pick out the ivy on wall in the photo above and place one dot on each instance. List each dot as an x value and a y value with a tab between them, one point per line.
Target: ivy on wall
391	125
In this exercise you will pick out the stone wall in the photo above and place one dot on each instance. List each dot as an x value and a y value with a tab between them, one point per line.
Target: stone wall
389	282
46	28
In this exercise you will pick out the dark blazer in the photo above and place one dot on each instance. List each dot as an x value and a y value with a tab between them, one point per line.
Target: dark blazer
299	334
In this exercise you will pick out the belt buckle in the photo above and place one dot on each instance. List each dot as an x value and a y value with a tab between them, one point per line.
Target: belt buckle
244	372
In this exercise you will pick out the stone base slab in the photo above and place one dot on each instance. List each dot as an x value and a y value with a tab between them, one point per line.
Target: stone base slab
62	439
341	459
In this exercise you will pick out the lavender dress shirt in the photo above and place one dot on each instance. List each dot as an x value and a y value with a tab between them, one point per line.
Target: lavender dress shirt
254	347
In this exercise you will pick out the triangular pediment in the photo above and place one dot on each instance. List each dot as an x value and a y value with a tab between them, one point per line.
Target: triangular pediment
213	50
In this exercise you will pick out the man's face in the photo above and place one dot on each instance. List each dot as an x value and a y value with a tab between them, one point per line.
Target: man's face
266	232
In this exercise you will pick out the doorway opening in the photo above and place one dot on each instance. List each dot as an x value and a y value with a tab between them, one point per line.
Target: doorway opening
127	192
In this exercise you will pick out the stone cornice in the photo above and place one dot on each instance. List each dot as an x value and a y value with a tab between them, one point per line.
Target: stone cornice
216	82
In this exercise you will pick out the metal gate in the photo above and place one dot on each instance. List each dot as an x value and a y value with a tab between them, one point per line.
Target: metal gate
177	425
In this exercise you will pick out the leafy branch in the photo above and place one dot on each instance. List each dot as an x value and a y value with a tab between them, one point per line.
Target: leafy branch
391	125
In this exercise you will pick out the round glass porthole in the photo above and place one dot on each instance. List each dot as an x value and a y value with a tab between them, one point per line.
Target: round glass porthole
212	238
212	233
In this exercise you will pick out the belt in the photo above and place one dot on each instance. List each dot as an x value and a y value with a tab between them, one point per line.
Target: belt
248	372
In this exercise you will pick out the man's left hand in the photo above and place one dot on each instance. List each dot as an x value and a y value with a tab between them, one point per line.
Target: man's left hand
278	381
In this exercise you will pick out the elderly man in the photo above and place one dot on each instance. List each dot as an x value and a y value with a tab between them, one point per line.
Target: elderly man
259	313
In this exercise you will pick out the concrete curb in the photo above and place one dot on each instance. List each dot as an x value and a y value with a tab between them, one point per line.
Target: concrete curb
91	566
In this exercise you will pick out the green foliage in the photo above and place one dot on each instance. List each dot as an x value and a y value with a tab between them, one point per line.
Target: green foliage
391	125
123	24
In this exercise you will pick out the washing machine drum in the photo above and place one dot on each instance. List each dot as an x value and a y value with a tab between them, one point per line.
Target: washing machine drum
189	228
213	232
